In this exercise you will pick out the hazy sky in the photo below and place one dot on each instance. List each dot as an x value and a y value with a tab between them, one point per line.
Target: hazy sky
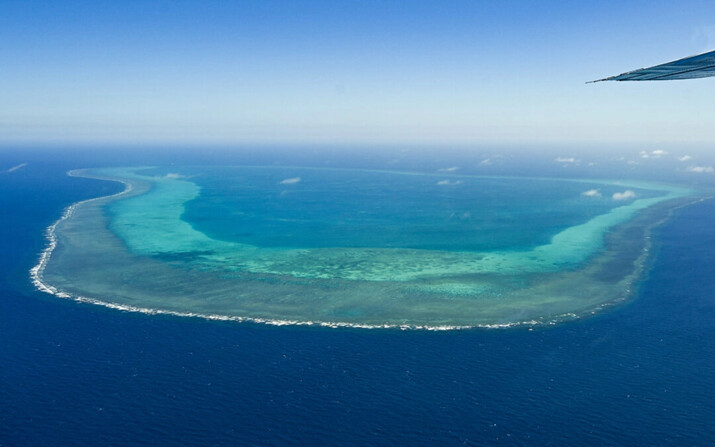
350	71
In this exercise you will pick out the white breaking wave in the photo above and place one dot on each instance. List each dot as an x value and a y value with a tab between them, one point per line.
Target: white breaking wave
50	233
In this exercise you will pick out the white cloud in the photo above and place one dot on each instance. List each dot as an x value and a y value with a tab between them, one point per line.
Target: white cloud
452	169
485	162
701	169
591	193
448	182
173	175
685	158
290	181
625	195
655	154
565	160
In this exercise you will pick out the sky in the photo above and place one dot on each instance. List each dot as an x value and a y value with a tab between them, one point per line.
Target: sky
352	72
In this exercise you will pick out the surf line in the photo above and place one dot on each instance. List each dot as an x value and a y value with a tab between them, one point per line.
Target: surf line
51	233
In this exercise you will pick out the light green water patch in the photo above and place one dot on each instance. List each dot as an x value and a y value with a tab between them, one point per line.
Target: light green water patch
133	251
151	225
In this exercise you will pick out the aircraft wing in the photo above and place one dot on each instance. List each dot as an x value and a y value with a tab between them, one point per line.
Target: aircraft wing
699	66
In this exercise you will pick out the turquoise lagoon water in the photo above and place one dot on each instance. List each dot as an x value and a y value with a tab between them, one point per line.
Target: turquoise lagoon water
357	247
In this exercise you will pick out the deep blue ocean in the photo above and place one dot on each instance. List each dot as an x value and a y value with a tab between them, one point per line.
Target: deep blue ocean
75	374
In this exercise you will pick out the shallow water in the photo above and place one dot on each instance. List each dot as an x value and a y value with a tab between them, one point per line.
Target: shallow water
215	242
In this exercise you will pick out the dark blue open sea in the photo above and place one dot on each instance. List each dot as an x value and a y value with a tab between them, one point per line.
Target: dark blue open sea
76	374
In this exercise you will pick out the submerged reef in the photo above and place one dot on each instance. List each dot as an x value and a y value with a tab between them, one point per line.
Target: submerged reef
355	248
